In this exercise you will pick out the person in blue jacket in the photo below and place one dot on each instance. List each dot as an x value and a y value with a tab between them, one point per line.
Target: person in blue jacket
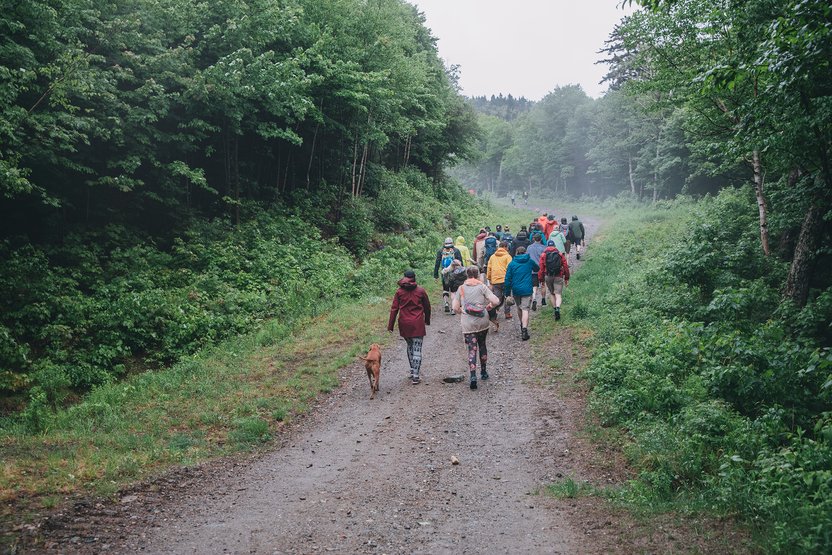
519	282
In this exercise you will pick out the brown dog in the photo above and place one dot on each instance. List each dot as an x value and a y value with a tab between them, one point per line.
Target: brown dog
372	362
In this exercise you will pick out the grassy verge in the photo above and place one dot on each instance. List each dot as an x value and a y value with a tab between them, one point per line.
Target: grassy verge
718	388
234	396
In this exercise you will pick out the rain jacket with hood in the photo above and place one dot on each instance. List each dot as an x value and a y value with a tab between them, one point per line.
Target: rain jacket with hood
576	228
463	250
519	276
521	240
479	250
560	240
412	306
497	264
564	265
549	227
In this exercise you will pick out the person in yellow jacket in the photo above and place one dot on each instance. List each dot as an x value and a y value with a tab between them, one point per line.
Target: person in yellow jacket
496	276
463	250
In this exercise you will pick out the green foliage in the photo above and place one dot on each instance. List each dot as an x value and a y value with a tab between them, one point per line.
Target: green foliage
249	431
723	389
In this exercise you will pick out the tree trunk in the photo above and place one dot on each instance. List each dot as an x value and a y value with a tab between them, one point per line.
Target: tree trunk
761	199
800	272
632	179
237	179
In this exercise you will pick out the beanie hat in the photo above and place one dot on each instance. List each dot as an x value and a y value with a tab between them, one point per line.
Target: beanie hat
550	244
410	274
449	242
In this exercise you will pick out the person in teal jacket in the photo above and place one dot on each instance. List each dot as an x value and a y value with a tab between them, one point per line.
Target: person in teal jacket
520	283
559	238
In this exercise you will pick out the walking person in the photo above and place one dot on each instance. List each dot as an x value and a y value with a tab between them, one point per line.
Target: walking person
564	228
554	272
473	301
559	238
496	276
534	250
479	249
525	198
444	257
519	283
463	250
576	228
521	240
412	306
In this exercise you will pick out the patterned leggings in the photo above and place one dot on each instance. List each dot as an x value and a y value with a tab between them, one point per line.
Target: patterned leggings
476	341
414	354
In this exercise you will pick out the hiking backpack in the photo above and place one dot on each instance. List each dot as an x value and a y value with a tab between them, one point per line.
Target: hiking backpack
554	264
448	256
490	247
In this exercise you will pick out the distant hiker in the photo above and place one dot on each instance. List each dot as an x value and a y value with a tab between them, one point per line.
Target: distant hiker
473	301
412	306
489	249
496	276
526	198
564	228
554	272
513	198
522	240
534	251
578	233
479	250
559	239
463	250
444	257
520	284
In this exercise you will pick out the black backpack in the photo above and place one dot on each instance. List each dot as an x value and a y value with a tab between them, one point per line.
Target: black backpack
554	264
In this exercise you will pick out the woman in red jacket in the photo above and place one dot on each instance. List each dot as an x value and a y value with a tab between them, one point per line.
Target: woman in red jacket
412	306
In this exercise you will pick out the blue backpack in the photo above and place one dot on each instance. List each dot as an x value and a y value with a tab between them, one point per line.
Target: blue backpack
490	248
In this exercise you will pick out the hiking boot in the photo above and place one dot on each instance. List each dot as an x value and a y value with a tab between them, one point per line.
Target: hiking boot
579	256
543	301
415	380
525	333
557	313
496	325
473	384
534	305
483	375
447	308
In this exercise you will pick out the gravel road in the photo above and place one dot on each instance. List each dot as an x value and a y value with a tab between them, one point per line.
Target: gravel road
373	476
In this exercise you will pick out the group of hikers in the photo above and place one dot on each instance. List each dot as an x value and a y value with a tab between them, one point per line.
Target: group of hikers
501	270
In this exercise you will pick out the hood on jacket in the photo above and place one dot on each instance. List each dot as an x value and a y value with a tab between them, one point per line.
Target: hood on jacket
460	240
550	249
481	236
407	283
521	258
500	252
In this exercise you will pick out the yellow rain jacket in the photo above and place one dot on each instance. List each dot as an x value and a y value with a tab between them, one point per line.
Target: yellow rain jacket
463	250
497	265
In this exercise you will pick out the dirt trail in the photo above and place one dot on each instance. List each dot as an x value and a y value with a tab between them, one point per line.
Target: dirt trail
361	476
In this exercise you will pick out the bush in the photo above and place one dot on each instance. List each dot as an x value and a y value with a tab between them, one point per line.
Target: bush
725	390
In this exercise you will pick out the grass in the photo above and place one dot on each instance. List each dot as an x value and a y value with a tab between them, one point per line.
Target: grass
569	488
232	397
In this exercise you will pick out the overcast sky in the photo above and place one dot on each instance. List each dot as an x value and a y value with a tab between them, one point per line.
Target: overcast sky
523	47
